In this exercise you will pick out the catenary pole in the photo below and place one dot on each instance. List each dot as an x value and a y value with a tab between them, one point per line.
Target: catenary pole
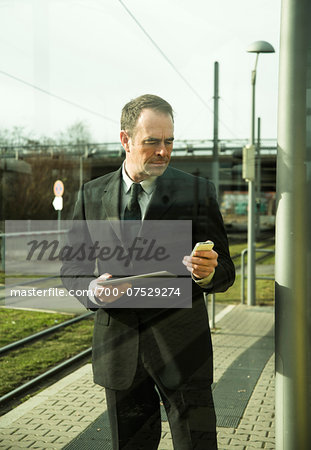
216	122
215	166
293	236
215	160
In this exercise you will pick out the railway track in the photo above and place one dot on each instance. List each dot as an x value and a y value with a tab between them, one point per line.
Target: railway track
40	334
11	398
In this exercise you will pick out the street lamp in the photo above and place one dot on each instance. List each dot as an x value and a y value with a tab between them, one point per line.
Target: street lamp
249	175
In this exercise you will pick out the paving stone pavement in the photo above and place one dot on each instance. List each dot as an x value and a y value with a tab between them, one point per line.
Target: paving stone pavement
54	417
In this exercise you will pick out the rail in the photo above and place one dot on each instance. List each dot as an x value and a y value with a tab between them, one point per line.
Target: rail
61	366
45	375
49	330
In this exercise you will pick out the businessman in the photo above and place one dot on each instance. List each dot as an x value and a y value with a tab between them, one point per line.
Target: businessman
144	355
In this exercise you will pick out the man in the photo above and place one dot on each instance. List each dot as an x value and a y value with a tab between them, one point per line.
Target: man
140	353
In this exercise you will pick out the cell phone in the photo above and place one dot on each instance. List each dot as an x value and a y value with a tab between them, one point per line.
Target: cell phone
207	245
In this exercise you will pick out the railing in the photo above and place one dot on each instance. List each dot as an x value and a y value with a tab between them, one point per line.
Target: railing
114	149
243	276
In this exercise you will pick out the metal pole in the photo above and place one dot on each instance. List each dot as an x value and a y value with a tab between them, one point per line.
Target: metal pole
258	178
215	165
59	213
3	252
253	81
243	253
213	311
81	170
293	240
251	268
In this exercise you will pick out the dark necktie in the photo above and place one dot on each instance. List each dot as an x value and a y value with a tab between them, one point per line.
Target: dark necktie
132	210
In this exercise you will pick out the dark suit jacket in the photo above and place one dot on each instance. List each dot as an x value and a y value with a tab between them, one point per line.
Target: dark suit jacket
179	339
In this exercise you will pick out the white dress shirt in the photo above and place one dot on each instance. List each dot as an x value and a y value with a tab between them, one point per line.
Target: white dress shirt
148	187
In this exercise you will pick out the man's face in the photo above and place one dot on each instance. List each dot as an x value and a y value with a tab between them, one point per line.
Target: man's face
148	151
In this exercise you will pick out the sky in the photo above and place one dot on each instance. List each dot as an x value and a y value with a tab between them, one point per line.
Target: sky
93	56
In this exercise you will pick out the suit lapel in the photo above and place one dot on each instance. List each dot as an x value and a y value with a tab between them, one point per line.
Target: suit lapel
164	196
111	203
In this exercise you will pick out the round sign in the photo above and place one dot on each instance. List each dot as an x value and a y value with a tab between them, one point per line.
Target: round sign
58	188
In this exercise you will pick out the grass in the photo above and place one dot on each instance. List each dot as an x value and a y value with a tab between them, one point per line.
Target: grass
264	288
18	324
264	292
25	363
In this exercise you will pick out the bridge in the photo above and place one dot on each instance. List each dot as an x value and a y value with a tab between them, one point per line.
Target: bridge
39	165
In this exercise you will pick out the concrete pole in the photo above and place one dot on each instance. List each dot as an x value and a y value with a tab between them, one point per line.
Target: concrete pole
293	236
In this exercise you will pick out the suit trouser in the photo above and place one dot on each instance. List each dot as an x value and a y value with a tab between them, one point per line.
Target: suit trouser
135	418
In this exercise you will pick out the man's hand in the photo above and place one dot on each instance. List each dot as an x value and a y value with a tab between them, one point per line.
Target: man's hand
201	263
108	293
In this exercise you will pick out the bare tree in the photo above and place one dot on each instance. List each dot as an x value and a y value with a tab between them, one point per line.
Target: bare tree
77	133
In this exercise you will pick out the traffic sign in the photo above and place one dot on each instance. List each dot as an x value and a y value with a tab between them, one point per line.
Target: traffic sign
58	203
58	188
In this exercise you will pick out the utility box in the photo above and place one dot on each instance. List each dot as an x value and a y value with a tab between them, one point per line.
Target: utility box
248	169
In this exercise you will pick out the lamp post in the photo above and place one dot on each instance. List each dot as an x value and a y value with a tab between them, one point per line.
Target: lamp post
249	175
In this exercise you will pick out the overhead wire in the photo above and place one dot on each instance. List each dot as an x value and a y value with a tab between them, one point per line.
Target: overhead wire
58	97
167	59
77	105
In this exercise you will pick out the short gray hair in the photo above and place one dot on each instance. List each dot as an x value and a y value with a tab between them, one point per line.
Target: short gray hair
132	110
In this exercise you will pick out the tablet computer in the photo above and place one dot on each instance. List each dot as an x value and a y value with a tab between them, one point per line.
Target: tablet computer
161	274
